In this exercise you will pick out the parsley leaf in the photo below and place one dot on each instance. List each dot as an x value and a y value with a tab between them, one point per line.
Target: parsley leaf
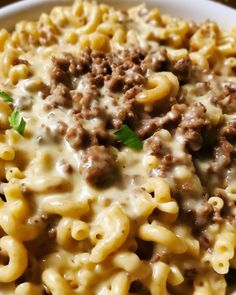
6	97
128	137
17	122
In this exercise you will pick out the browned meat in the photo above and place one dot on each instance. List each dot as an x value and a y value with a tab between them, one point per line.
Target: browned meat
229	130
203	214
155	61
149	126
60	97
193	121
59	71
182	69
61	128
132	92
98	166
166	162
76	136
226	100
67	167
116	83
222	156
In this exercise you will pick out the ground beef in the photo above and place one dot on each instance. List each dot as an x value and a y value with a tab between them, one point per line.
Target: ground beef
123	72
228	131
61	128
203	214
59	71
66	167
222	156
100	136
116	83
166	162
150	125
101	87
226	100
60	97
182	69
76	137
98	166
193	121
155	61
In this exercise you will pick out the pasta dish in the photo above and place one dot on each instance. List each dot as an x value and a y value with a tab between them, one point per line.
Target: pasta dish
117	154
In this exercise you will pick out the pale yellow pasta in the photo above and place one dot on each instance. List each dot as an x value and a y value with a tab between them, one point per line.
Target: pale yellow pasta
193	246
18	72
79	230
199	60
209	283
204	40
45	184
223	251
94	18
168	207
202	286
71	37
64	237
112	230
7	153
227	45
56	283
160	188
175	276
4	35
120	284
160	272
17	264
12	137
95	41
143	204
216	202
14	214
58	16
28	289
158	87
159	234
65	207
231	190
7	60
128	261
116	30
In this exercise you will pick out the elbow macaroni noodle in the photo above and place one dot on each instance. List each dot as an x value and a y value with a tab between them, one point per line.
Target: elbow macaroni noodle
58	235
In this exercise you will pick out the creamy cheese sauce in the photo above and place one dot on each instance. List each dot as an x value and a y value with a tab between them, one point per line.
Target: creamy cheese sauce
93	215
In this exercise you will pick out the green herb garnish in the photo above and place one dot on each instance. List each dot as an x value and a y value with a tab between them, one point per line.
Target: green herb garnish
6	97
128	137
17	122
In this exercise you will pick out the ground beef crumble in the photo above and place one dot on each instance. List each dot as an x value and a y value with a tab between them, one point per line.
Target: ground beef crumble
101	87
99	167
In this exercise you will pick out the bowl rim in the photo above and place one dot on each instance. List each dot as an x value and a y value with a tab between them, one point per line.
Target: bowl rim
190	10
21	5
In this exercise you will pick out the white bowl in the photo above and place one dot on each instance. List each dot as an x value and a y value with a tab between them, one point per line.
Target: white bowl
189	9
196	10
